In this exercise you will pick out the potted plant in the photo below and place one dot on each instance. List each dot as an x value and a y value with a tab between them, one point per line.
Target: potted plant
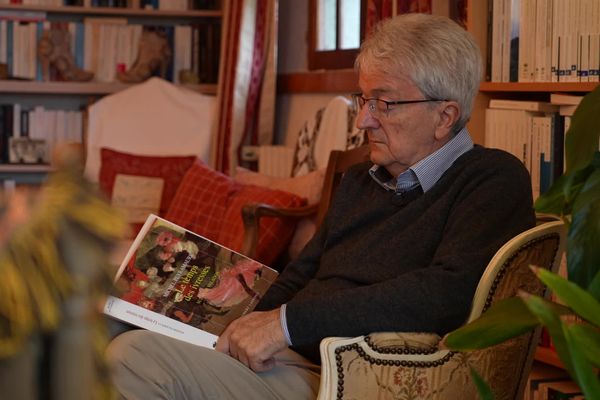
575	196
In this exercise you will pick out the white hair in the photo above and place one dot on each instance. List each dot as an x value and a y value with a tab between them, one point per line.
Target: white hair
435	53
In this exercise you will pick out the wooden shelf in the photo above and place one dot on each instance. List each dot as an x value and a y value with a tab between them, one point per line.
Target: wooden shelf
25	168
81	88
322	81
121	12
537	86
346	81
548	356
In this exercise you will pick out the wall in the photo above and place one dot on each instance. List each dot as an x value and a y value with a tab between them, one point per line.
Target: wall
294	109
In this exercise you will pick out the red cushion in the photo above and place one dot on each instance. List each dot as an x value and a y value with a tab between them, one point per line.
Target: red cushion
201	201
274	233
210	203
171	169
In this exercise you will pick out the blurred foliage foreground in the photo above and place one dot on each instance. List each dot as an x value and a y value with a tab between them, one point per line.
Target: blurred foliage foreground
54	272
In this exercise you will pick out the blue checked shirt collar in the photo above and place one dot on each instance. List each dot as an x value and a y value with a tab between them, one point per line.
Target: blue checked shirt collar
427	171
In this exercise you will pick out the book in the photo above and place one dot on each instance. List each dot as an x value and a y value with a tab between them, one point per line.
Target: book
180	284
565	99
538	106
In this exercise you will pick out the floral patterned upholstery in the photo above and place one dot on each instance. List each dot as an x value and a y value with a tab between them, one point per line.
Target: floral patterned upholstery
410	366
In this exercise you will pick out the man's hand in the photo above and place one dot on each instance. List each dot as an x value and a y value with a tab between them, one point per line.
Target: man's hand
254	339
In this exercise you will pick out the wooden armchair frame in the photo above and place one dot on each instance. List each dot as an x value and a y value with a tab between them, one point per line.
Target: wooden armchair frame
339	161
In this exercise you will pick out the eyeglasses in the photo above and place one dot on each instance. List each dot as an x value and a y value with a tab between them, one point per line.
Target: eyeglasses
382	107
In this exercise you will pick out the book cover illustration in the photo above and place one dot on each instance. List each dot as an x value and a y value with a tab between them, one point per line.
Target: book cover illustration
178	274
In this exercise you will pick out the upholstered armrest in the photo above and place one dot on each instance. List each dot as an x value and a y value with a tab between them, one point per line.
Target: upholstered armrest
253	212
392	365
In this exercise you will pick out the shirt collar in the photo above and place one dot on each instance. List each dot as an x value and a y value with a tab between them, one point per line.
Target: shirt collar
427	171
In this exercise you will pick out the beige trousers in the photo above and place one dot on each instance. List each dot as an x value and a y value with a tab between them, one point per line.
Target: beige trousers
150	366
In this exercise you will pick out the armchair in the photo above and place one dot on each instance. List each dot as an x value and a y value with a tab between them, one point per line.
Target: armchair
406	365
398	365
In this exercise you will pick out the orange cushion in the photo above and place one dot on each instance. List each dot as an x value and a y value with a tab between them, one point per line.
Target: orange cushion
274	233
210	203
308	186
201	201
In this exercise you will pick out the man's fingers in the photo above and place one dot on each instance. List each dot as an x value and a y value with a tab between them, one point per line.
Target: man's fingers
262	366
223	343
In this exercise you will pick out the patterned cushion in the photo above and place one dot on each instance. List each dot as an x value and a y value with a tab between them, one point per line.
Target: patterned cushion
209	203
304	161
308	186
274	233
169	169
201	201
332	128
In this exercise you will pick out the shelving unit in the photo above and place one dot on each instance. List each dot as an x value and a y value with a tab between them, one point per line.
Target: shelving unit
115	11
542	87
80	88
540	91
77	95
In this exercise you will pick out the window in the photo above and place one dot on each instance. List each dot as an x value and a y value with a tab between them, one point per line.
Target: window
335	33
336	27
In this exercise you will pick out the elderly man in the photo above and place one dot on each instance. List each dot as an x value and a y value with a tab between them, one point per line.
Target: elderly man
402	248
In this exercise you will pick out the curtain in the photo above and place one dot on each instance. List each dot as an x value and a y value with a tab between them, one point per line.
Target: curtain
382	9
246	101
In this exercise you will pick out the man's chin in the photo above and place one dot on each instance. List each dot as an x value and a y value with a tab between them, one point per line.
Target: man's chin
376	152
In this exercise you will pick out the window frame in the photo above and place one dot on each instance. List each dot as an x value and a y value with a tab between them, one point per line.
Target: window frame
331	59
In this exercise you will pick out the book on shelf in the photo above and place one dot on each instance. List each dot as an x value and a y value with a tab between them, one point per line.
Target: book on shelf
538	106
180	284
547	40
565	99
531	131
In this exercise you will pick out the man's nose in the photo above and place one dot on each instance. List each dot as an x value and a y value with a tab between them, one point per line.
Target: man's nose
365	120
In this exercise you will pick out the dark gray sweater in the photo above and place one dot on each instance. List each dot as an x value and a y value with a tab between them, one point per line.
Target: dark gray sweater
380	263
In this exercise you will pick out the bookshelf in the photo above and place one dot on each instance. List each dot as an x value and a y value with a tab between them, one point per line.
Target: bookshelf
115	11
81	88
541	87
538	88
202	45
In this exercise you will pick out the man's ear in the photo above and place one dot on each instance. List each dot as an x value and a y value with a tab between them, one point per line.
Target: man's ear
449	114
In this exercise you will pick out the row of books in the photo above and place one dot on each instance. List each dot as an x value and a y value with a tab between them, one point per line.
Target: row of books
29	136
534	132
133	4
107	45
535	136
544	41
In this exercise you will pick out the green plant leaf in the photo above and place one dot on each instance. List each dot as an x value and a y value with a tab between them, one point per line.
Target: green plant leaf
506	319
584	372
594	287
553	200
548	315
559	198
582	302
588	338
583	253
485	393
582	138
